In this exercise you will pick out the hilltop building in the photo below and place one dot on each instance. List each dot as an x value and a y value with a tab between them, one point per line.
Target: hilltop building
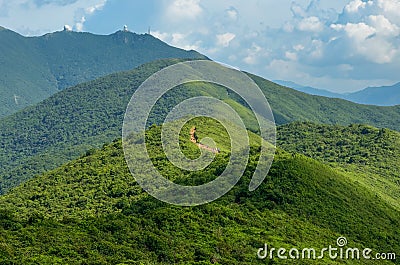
67	28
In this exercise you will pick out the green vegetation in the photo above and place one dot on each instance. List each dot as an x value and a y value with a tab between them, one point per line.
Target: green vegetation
68	202
91	211
371	154
66	125
35	68
25	79
86	116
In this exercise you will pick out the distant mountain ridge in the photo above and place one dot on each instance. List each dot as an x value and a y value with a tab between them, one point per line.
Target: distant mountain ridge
308	89
34	68
384	96
380	96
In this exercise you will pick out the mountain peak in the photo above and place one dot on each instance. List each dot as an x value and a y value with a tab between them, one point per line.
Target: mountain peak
65	58
126	32
381	96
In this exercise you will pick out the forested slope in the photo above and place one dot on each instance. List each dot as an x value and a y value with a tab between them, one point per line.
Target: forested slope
91	211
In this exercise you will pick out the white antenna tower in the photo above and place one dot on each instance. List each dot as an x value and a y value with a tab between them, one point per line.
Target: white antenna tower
16	99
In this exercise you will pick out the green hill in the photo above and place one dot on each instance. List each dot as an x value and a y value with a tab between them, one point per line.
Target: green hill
86	116
25	78
36	67
373	155
91	211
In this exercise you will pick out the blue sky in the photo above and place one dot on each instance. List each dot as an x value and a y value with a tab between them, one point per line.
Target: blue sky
342	45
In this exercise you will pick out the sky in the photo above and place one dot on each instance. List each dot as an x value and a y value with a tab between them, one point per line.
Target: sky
341	46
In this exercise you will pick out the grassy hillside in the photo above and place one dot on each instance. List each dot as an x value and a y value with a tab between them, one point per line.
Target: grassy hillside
373	155
36	67
86	116
91	211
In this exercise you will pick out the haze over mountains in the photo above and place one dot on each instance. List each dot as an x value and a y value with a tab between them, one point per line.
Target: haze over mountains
34	68
380	96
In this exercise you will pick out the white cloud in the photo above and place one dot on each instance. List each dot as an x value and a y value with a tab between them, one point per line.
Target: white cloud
361	43
374	36
335	43
361	38
365	42
254	54
232	13
178	39
282	69
317	49
383	26
225	39
345	67
355	5
36	17
298	10
311	24
79	24
291	55
389	5
359	32
184	10
298	47
160	35
288	27
90	10
250	59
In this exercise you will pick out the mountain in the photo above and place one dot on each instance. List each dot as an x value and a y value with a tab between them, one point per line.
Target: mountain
309	90
290	105
382	96
92	211
25	77
69	123
372	154
33	68
379	96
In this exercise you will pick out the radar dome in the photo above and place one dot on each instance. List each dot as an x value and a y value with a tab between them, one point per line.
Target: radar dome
67	28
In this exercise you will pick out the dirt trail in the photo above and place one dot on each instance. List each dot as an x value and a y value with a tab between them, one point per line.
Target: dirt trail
193	139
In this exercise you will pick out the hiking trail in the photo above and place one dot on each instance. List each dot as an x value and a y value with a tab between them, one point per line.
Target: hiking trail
193	139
